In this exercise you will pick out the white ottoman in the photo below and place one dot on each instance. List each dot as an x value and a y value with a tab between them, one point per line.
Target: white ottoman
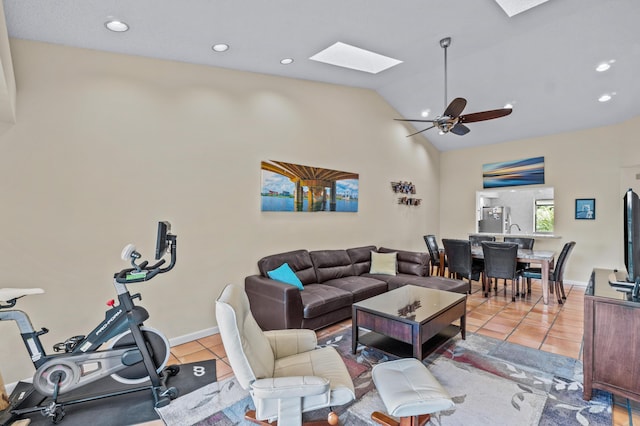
409	391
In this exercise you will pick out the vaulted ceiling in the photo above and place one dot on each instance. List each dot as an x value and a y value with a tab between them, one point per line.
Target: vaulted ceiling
543	61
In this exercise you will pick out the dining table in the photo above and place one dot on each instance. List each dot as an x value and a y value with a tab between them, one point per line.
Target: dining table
544	258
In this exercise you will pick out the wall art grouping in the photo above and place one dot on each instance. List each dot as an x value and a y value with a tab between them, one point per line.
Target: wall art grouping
528	171
408	188
288	187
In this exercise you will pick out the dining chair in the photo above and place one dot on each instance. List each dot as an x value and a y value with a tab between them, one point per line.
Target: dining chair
556	275
500	261
434	254
523	243
477	240
459	260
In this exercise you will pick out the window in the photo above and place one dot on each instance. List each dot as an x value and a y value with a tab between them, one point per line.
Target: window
544	211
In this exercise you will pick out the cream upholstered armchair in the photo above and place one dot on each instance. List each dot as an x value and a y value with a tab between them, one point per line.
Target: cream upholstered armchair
285	372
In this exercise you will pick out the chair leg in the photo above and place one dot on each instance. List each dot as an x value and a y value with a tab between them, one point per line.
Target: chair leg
556	284
564	296
513	290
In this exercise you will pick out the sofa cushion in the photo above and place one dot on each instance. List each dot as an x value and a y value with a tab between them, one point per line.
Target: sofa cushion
383	263
410	262
320	299
299	261
361	287
331	264
438	283
285	274
361	258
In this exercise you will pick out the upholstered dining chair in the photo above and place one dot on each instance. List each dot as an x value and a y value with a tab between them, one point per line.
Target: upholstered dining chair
523	243
500	261
459	260
477	240
556	275
434	254
284	371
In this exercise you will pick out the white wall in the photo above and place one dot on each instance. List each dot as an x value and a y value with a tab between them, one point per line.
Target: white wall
106	145
581	164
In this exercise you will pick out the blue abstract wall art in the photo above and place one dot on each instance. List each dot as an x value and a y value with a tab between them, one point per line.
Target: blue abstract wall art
529	171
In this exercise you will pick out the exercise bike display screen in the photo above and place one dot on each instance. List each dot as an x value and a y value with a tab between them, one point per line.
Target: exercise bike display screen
164	228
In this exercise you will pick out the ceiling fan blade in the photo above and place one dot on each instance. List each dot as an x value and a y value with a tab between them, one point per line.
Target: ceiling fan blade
423	130
460	129
484	115
455	107
419	121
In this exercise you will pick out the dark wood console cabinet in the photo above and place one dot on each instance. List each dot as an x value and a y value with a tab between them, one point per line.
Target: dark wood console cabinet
611	358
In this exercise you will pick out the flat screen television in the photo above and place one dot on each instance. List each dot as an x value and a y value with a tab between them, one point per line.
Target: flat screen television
631	209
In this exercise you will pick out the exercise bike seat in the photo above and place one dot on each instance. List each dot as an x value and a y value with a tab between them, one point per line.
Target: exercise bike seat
7	294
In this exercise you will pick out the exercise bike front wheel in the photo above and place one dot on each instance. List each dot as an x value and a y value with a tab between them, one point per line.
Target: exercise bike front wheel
158	347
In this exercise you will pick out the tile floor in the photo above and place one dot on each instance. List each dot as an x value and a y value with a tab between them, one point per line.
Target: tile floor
527	321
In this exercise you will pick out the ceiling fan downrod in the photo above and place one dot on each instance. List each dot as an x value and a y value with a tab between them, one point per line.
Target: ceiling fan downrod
444	43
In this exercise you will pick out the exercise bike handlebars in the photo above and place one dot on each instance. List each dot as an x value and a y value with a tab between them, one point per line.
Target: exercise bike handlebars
143	272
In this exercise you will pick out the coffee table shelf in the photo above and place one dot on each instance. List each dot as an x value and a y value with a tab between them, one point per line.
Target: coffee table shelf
409	321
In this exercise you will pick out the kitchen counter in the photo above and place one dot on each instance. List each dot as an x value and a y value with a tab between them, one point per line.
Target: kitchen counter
518	235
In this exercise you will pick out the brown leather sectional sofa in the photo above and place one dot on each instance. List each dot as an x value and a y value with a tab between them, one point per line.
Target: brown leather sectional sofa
333	280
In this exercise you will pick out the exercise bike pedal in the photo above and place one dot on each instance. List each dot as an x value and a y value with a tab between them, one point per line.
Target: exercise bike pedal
68	345
172	370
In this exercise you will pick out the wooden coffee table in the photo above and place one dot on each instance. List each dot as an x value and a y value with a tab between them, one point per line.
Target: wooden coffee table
409	321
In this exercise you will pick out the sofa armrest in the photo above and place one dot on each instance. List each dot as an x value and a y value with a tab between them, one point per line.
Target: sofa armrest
290	387
291	342
274	305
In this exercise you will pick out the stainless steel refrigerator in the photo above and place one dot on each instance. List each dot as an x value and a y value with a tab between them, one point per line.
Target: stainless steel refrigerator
494	220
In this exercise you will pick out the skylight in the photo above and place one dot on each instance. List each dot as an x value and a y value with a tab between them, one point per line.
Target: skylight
347	56
513	7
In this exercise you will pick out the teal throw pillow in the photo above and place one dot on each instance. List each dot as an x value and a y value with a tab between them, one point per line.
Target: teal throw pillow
285	274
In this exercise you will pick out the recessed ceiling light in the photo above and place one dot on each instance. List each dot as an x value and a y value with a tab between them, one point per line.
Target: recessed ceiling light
605	98
508	105
220	47
116	26
286	61
347	56
605	65
425	113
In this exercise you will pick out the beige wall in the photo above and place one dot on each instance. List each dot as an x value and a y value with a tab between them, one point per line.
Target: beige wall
106	145
581	164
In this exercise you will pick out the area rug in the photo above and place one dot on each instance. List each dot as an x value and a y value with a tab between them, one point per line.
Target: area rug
490	381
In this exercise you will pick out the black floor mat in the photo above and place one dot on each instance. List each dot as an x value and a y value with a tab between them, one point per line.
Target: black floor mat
122	410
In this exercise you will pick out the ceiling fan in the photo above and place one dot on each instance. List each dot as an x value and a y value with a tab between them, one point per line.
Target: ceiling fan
451	120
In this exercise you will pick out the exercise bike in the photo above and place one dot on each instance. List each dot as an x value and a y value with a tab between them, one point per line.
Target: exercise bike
120	346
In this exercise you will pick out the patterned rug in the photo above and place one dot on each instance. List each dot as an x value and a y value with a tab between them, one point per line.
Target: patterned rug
491	382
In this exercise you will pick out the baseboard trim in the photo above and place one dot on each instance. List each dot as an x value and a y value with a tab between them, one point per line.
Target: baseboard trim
179	340
193	336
